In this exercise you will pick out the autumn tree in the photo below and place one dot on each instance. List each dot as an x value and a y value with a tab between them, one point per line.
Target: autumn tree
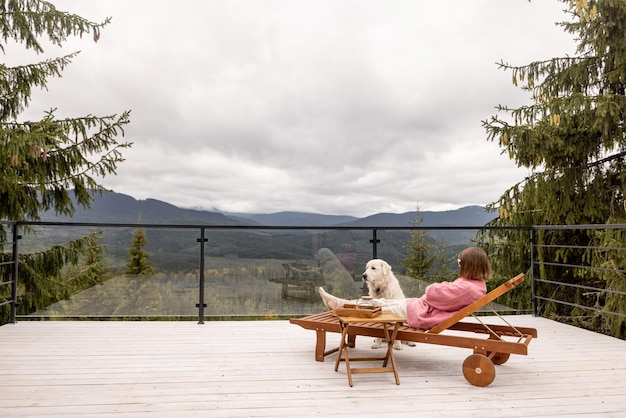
572	138
44	161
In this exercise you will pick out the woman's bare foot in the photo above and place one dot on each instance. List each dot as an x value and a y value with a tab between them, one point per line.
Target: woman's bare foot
331	301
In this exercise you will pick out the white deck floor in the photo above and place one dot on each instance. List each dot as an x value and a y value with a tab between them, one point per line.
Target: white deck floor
267	368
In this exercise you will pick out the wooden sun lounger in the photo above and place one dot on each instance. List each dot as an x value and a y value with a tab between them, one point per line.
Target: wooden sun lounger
491	344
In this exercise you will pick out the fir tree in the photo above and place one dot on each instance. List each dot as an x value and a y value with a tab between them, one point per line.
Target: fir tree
573	139
441	265
92	269
43	161
419	257
137	263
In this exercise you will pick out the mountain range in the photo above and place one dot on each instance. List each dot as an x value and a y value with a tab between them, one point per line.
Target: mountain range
114	207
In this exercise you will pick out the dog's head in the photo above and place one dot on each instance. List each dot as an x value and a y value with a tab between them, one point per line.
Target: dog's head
376	273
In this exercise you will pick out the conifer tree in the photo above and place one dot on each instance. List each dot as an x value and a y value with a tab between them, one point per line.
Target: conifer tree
419	257
441	267
137	262
43	161
573	139
92	269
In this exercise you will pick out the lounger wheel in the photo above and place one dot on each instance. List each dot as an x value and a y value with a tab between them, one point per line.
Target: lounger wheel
479	370
498	358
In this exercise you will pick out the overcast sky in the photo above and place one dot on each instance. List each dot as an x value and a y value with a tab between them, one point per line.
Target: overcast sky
348	107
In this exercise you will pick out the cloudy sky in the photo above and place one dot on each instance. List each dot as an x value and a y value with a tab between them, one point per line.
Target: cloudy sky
348	107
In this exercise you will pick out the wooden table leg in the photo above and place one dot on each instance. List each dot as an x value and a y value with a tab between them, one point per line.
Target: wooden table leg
340	350
390	337
390	341
343	353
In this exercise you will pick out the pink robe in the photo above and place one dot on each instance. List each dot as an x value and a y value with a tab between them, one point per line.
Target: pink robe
442	300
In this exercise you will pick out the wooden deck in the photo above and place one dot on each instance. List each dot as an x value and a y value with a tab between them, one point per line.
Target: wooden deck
267	368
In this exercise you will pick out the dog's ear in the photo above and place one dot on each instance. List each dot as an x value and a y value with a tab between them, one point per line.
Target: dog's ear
386	268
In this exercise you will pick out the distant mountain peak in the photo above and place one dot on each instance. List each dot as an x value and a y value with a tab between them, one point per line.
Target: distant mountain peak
111	207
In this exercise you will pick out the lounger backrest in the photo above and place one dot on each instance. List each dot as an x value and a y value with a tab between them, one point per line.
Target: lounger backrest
473	307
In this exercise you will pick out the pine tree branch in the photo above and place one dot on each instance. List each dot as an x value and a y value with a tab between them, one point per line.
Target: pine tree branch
26	20
16	83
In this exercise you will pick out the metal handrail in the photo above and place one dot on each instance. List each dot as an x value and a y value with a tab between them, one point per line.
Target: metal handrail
535	264
204	228
13	265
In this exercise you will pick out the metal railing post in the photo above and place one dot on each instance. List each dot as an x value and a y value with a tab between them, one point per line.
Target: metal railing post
533	283
374	241
201	305
15	262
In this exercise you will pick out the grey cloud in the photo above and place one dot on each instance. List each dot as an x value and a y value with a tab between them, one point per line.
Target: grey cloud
345	107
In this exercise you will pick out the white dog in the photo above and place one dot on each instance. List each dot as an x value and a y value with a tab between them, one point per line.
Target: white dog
382	283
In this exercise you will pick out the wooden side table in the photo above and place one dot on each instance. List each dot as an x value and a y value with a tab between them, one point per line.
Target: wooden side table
389	362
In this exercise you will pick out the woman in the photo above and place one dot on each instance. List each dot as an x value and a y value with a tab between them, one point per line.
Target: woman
441	300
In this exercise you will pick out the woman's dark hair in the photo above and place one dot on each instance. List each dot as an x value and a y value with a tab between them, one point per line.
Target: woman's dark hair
474	264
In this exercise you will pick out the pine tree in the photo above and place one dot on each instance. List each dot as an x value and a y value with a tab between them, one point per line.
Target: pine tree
43	161
92	269
418	258
137	263
441	265
573	138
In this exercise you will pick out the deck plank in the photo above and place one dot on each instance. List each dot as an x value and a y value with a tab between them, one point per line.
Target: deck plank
268	368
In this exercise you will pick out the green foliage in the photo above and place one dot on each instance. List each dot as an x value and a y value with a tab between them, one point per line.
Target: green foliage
574	132
442	262
92	269
41	275
419	257
56	274
42	160
425	258
235	288
614	300
574	129
137	263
